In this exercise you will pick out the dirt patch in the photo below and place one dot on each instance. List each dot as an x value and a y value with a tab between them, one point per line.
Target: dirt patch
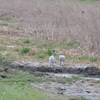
87	88
31	67
72	86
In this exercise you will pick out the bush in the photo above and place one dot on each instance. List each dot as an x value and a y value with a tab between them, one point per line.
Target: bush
24	50
49	52
27	41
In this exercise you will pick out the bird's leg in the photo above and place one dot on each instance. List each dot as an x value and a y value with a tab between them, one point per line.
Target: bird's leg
60	63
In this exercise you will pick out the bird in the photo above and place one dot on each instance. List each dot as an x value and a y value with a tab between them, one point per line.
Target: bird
62	59
52	60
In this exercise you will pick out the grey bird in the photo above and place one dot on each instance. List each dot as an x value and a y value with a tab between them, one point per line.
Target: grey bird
52	60
62	59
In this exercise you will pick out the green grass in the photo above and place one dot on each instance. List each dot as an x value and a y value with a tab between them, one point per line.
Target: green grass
7	25
17	86
2	48
20	91
27	41
72	44
88	58
5	18
24	50
24	77
78	98
89	2
4	61
81	58
24	46
97	81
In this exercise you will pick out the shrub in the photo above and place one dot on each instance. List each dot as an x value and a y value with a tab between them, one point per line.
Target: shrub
24	50
49	52
27	41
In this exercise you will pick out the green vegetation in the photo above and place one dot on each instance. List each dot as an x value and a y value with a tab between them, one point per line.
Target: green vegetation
5	18
24	50
81	58
27	41
42	55
2	48
7	25
72	44
24	77
20	81
77	98
17	86
88	58
66	80
21	91
49	52
89	1
97	81
4	61
93	59
1	25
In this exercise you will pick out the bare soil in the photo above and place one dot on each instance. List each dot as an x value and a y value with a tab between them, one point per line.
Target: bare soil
88	86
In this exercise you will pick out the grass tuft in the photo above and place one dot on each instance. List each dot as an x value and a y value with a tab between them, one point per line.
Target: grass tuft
24	50
5	18
27	41
4	61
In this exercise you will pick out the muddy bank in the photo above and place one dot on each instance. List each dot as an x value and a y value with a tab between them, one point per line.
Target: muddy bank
86	70
88	89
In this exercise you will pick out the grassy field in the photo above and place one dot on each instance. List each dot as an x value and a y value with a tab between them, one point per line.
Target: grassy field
69	27
17	86
29	30
31	49
20	91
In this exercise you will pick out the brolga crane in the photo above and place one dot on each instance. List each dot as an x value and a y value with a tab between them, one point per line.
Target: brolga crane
61	59
52	60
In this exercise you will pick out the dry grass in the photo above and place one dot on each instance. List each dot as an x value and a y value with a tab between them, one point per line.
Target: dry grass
55	20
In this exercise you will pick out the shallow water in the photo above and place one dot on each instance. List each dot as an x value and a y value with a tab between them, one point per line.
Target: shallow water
87	87
71	75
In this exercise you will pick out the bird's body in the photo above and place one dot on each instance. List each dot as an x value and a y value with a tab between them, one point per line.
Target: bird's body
52	61
62	59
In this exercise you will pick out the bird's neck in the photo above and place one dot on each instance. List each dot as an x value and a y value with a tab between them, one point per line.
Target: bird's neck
52	53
